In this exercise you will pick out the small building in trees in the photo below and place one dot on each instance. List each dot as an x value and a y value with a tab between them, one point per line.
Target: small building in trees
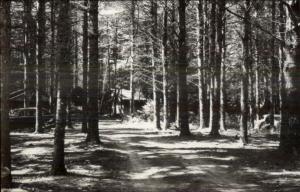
119	100
125	97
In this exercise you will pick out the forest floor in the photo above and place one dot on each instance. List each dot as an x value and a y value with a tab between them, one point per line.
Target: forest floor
136	158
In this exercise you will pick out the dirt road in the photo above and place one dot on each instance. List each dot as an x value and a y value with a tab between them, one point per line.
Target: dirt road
135	158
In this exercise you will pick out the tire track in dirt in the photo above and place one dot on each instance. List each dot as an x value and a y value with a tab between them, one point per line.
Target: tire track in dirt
148	173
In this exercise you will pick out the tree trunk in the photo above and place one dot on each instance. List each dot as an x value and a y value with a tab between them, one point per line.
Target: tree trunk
76	72
223	68
283	94
6	180
64	70
251	82
93	89
273	66
211	96
175	18
251	95
200	59
212	61
40	67
267	101
216	55
177	97
172	67
166	121
29	52
108	60
84	67
116	46
290	131
245	75
131	109
52	57
69	115
257	82
207	71
182	72
58	165
154	58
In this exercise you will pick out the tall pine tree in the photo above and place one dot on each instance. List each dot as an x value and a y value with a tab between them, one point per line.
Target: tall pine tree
64	70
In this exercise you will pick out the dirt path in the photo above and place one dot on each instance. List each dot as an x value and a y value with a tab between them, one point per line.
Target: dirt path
165	162
134	158
155	166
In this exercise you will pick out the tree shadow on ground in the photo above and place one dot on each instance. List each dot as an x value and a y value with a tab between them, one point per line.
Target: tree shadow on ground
133	160
248	168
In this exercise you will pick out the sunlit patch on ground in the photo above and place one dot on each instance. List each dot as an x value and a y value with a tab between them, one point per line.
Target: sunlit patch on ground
152	172
285	173
14	190
134	157
32	152
23	171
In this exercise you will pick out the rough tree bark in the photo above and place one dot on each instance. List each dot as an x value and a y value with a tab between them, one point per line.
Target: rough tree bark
257	74
251	92
245	74
84	67
182	72
40	67
69	105
166	122
131	58
200	59
207	71
266	91
223	68
221	62
6	180
64	70
172	67
93	87
215	64
108	67
154	58
52	57
176	51
273	65
283	94
75	66
251	79
29	52
115	82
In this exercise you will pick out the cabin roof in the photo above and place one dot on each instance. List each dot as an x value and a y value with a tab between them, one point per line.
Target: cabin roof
138	95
